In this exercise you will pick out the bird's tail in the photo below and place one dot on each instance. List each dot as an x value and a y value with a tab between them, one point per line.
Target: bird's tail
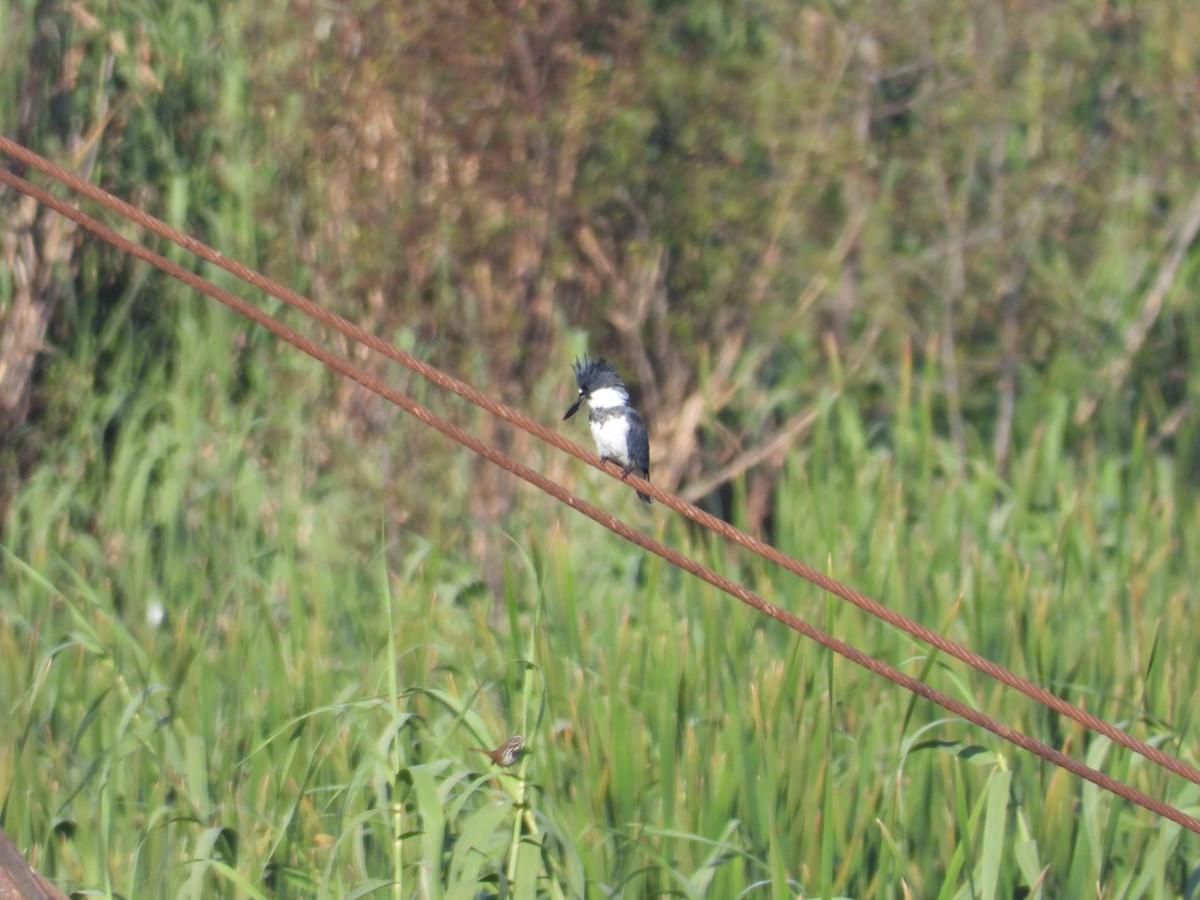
645	498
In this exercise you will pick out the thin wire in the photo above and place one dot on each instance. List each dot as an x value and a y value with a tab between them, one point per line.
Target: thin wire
519	419
736	590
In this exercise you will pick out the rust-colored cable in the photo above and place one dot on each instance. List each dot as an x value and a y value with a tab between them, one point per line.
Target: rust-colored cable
515	417
469	393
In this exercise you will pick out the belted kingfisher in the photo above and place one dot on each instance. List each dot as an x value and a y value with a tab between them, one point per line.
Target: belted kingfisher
619	431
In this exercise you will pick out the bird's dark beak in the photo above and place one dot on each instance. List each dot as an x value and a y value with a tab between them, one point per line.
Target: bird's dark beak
574	406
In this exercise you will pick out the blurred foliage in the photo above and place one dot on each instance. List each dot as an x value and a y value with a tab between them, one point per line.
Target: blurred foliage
998	185
717	194
211	694
902	283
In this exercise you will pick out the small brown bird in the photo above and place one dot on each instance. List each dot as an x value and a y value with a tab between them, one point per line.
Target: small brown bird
507	753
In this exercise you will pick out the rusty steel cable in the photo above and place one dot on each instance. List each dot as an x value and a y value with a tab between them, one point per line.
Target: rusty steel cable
736	590
729	532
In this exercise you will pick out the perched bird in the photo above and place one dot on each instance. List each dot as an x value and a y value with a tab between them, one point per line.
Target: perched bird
507	753
619	431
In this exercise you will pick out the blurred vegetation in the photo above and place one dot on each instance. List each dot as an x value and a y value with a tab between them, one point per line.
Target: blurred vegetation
719	195
999	187
903	286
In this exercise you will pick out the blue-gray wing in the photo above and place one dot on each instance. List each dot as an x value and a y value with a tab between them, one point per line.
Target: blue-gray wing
639	444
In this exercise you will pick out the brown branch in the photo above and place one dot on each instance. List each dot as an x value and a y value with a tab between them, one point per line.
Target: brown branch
752	457
1115	372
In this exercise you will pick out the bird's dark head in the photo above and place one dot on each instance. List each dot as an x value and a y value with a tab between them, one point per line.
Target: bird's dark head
592	375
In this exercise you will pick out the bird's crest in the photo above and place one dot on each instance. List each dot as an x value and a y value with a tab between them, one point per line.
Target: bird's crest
597	372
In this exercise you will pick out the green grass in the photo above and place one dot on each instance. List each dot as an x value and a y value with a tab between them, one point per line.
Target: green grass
251	628
300	722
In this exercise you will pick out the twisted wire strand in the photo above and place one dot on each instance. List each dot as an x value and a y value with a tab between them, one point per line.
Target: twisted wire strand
738	591
515	417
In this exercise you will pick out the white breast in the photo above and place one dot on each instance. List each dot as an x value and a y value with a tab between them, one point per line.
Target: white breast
610	438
